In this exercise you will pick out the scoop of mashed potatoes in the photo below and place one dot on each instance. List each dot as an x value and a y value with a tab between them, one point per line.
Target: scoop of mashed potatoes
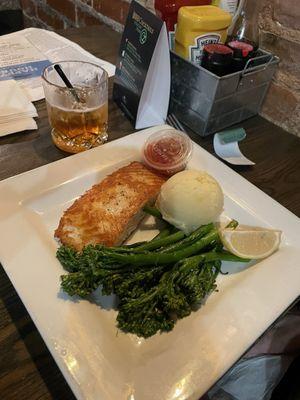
190	199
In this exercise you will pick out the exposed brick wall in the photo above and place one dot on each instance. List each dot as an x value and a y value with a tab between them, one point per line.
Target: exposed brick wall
279	22
280	33
59	14
9	4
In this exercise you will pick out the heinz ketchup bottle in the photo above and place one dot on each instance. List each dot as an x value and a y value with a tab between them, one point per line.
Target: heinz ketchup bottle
167	10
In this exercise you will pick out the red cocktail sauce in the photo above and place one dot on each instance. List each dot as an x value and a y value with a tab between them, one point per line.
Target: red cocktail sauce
167	151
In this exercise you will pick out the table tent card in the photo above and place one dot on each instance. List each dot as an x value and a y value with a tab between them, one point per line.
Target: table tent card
142	79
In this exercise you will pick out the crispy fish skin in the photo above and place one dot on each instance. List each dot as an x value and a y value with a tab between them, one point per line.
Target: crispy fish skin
111	210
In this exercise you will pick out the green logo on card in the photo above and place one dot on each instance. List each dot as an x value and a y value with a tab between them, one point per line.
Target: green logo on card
143	36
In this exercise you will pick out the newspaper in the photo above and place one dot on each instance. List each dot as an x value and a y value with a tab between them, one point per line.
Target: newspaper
24	55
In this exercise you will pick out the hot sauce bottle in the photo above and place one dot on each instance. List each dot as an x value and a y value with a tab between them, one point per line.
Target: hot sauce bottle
217	58
242	52
167	10
245	28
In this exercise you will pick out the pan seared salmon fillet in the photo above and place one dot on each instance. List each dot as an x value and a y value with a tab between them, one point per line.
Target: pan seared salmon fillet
111	210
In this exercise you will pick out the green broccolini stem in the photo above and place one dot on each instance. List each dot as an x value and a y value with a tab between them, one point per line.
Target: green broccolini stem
130	246
162	234
197	234
168	242
166	258
136	246
156	244
215	256
153	211
177	240
163	240
169	258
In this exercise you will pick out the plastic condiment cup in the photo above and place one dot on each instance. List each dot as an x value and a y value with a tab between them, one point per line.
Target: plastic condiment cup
167	151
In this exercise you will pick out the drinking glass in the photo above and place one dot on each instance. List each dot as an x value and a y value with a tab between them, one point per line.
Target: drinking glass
78	116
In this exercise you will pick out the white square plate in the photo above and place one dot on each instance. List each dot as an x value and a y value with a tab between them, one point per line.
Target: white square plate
97	361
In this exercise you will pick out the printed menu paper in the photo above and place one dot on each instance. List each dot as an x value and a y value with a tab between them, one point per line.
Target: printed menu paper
24	55
142	78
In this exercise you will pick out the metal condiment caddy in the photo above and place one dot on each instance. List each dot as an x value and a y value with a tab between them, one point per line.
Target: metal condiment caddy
207	103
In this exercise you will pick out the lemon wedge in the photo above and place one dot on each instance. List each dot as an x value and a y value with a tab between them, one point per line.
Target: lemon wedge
251	242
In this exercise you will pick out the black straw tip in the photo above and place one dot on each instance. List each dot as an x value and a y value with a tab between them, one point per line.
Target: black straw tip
66	81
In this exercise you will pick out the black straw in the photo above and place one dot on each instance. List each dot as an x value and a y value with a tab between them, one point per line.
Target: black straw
66	82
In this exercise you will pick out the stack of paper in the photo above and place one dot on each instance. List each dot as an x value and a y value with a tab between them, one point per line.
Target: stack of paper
16	111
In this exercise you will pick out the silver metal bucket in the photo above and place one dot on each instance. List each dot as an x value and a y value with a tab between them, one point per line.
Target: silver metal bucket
208	103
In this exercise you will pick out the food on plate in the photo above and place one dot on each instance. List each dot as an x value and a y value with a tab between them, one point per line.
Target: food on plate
111	210
251	242
156	283
190	199
165	279
167	151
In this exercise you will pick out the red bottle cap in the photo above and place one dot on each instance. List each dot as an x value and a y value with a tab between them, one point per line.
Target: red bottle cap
218	49
217	58
241	48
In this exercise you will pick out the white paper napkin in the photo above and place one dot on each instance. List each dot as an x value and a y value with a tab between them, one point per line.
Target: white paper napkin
16	110
18	125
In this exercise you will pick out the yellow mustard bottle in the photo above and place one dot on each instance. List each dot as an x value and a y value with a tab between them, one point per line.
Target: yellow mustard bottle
198	26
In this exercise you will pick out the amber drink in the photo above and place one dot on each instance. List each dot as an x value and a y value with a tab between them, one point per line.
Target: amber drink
78	117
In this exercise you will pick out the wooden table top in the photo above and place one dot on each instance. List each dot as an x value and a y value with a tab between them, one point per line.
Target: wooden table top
27	370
